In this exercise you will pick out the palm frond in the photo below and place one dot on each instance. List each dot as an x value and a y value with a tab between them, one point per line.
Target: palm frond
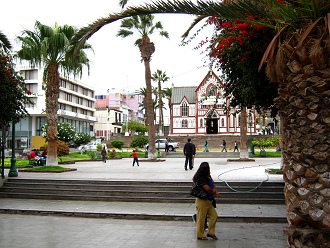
4	42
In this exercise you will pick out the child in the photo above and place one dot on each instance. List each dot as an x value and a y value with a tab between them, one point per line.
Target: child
135	158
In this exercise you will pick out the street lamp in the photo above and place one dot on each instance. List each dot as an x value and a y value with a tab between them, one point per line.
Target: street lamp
251	153
13	171
158	154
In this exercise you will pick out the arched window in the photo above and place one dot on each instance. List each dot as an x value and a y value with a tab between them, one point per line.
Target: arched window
222	122
211	92
184	109
201	122
184	124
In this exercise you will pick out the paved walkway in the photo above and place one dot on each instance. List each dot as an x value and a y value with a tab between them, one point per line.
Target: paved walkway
85	232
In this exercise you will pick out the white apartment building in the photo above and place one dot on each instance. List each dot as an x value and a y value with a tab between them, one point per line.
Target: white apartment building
76	106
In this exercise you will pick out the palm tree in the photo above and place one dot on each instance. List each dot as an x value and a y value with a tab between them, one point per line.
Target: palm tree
297	59
50	48
160	77
167	93
4	42
144	25
143	104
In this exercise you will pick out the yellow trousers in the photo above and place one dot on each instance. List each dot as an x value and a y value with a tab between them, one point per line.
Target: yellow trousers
205	208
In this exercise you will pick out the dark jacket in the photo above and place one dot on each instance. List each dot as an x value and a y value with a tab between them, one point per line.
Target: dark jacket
189	149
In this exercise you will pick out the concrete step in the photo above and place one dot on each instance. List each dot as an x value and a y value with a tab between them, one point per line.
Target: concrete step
136	191
142	210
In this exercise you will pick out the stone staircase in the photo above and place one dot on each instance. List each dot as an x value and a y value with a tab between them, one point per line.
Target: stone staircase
138	191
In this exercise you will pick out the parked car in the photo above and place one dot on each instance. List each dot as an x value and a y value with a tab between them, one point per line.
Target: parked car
161	142
88	147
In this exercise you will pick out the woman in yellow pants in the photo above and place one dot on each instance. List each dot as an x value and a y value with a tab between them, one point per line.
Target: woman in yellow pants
205	207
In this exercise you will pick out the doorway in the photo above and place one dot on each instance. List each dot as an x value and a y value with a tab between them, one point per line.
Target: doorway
212	125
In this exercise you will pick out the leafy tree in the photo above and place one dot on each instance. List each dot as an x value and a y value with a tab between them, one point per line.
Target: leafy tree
81	138
137	127
65	132
139	141
160	77
50	48
297	61
14	95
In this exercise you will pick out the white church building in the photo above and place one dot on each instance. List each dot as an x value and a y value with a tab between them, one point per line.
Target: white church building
205	110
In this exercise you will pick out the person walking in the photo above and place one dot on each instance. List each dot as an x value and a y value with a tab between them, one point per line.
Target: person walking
206	146
166	145
236	146
224	146
135	158
205	207
104	154
189	150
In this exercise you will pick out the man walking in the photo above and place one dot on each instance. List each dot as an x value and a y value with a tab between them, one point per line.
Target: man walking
236	147
189	151
224	146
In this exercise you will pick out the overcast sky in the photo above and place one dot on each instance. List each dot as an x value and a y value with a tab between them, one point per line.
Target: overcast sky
116	62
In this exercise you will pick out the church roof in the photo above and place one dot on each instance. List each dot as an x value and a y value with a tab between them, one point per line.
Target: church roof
178	93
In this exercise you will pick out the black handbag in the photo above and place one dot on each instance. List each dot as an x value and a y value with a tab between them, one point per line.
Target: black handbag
198	192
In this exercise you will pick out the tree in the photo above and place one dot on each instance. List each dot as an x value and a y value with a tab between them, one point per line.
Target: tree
297	60
14	95
65	132
144	25
160	77
50	48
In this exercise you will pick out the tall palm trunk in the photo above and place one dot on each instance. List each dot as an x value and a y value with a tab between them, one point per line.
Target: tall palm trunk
243	132
305	115
52	95
147	48
161	115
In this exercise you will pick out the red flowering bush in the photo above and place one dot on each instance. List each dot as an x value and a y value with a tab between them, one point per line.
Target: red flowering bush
12	92
236	48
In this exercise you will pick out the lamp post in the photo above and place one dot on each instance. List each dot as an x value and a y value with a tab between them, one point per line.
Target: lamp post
251	153
158	154
13	171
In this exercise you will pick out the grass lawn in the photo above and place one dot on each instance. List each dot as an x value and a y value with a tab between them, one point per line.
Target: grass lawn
48	169
268	153
275	171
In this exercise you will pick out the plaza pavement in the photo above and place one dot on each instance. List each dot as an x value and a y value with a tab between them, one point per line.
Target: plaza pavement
54	231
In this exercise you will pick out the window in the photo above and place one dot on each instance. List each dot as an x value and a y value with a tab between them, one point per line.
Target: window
184	123
62	83
201	122
184	109
74	110
211	92
239	121
30	74
62	106
222	122
68	97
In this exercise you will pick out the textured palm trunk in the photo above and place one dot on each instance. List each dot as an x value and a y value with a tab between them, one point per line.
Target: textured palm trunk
52	94
304	103
244	138
147	48
161	115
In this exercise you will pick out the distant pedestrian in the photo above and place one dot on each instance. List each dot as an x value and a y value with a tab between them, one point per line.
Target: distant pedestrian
135	158
189	150
166	145
104	154
236	146
206	146
224	146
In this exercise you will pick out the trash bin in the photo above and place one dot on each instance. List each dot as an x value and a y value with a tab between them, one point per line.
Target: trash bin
146	154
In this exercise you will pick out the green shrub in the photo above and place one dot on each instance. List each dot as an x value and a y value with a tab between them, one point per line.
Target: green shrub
139	141
267	142
92	154
112	154
117	144
82	139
